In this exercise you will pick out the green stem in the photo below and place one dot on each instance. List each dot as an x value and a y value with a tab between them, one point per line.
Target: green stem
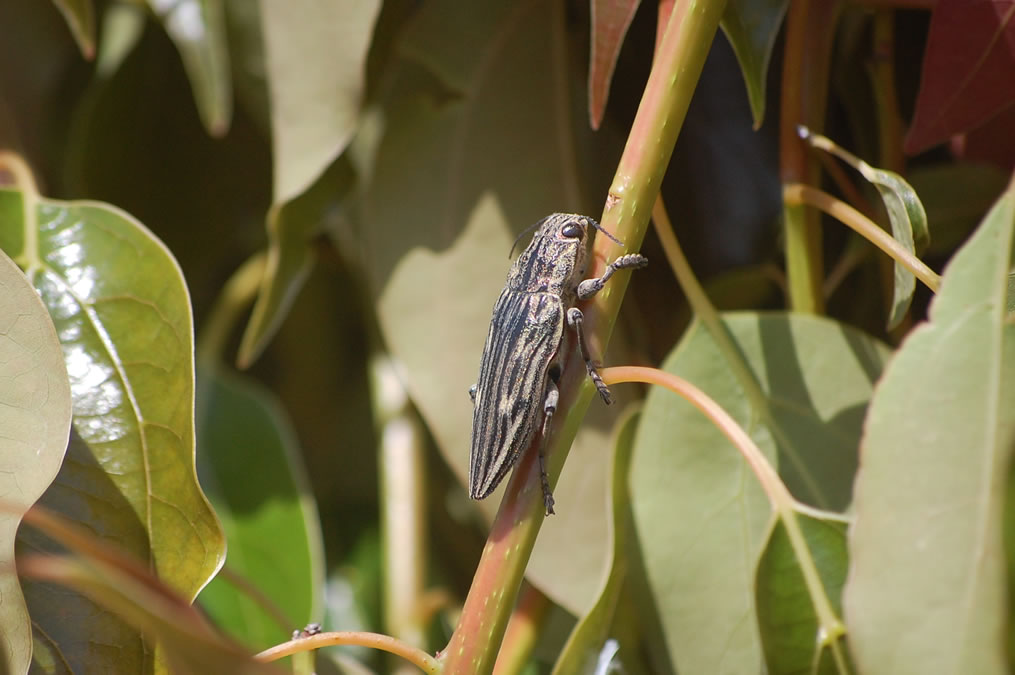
679	61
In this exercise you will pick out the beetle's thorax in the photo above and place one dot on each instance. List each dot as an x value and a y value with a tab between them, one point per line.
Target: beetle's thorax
552	262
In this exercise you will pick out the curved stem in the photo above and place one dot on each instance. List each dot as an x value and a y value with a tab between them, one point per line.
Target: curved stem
847	215
425	662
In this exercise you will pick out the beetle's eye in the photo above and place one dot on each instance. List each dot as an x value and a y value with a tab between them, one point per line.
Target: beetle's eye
571	230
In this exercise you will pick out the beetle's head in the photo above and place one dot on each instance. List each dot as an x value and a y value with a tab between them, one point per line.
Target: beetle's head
570	230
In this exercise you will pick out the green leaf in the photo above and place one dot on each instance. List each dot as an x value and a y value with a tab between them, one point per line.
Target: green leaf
251	467
751	27
909	227
122	314
35	416
315	56
906	213
926	547
789	625
585	643
466	161
198	29
80	18
701	516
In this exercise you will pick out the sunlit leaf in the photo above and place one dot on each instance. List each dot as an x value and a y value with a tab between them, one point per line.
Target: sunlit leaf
315	54
926	547
35	415
122	315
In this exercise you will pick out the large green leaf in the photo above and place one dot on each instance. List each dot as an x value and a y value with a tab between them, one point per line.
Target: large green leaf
251	467
198	29
927	588
702	518
35	416
476	147
122	315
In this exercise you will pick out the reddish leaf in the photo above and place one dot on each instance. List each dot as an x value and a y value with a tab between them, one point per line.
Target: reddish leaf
610	21
992	143
968	70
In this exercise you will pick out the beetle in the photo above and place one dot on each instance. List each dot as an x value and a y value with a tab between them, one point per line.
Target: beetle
526	345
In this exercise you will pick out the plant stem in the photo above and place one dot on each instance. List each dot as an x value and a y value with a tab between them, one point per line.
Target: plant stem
809	30
402	472
425	662
674	76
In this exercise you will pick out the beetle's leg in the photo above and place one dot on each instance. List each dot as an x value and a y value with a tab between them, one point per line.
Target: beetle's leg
576	320
472	393
549	407
590	287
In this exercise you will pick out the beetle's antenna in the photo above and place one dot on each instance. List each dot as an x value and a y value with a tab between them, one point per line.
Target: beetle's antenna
523	233
608	235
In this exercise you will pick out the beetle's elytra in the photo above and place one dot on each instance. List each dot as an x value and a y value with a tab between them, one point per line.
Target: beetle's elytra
526	344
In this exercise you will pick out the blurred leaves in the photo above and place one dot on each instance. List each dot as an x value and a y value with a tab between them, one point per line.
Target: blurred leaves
198	29
80	17
752	27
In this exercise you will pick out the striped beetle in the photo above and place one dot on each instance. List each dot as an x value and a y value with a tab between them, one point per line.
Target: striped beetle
526	346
